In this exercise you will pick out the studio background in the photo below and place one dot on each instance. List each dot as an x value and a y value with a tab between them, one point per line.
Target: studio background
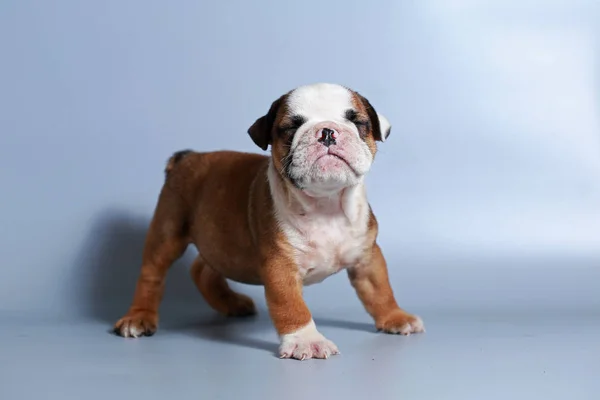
487	191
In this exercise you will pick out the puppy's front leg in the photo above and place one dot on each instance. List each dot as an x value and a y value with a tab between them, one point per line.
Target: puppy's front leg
371	282
299	337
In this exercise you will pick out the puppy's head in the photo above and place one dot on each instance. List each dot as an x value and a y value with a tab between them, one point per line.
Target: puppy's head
323	137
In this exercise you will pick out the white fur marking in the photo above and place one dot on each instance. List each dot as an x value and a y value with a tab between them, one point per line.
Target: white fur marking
327	235
326	222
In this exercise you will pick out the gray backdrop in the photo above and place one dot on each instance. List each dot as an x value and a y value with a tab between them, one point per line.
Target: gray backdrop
487	192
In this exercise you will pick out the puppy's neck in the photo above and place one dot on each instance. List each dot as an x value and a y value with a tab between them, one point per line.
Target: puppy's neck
350	201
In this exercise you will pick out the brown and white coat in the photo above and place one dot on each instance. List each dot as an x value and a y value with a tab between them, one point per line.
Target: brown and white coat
282	221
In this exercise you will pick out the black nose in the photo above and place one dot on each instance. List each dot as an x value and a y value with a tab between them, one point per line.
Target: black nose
327	137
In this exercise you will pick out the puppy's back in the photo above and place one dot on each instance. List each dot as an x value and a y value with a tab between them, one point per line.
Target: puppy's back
192	173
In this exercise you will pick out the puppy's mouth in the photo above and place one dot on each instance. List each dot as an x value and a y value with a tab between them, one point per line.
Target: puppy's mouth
331	154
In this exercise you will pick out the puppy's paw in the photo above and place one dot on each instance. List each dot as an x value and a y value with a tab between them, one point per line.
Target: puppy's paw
134	325
401	322
306	343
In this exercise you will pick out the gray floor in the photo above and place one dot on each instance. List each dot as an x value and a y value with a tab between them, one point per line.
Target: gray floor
462	356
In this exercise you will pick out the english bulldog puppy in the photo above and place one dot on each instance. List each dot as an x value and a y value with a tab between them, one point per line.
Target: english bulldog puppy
283	221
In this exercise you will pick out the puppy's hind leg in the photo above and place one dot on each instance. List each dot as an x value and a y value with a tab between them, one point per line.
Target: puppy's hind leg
216	291
166	241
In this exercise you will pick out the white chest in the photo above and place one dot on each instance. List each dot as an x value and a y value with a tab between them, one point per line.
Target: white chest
324	244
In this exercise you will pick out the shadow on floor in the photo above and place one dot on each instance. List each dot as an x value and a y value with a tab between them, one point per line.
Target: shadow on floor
108	268
237	331
247	332
346	325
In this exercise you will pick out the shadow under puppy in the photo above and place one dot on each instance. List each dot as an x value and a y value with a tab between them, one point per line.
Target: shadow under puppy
282	221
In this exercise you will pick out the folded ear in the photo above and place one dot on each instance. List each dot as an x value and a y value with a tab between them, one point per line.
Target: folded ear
379	123
262	129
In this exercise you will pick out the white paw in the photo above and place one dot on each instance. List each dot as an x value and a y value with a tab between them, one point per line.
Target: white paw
306	343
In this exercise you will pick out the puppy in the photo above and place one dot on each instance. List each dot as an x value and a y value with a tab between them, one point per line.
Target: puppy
284	221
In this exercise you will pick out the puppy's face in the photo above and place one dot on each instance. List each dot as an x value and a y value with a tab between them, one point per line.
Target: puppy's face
323	137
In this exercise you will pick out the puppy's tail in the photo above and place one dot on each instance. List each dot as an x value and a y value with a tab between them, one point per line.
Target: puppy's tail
174	160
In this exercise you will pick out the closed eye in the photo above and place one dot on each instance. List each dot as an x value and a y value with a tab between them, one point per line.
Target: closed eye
352	116
292	126
287	129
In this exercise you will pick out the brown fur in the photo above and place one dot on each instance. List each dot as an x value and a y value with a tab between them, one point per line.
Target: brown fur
221	203
365	109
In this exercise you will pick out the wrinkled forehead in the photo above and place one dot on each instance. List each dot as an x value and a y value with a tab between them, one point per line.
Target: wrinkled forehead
322	102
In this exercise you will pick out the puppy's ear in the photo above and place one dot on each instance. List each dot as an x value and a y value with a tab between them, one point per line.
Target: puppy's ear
262	129
384	126
379	123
